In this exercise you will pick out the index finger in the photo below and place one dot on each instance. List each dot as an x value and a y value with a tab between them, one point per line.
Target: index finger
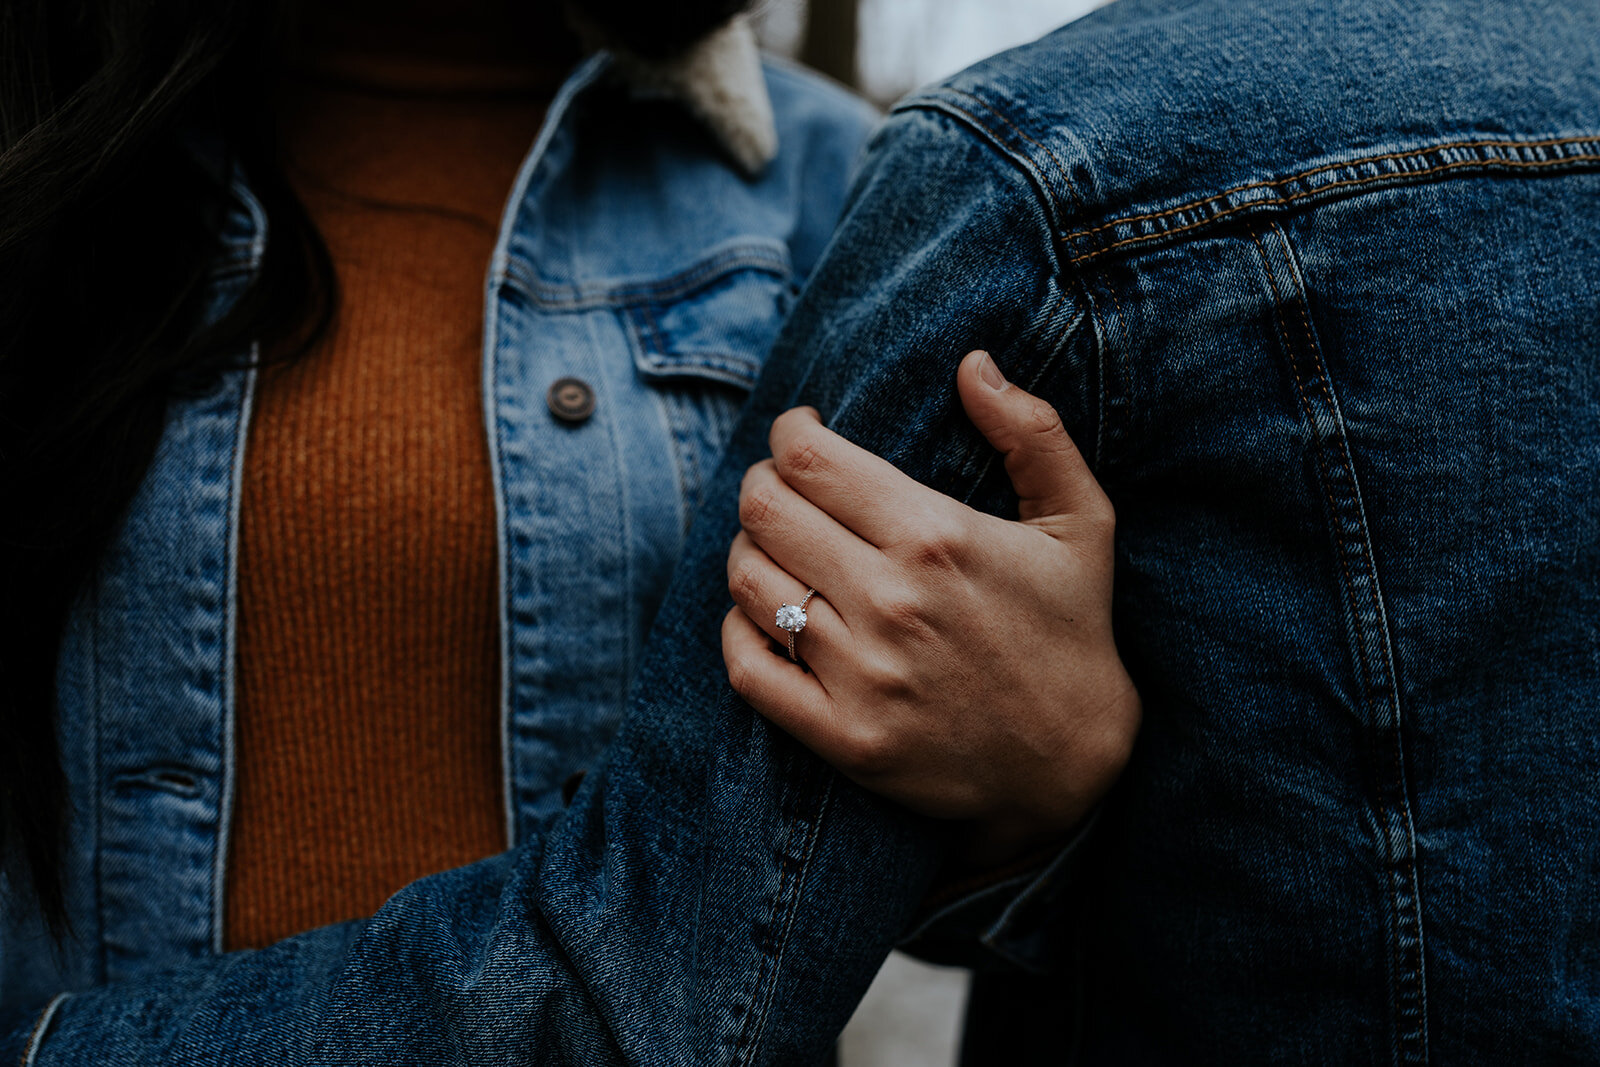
862	492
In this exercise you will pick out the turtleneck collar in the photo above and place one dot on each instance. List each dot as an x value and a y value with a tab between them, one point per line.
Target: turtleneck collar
434	47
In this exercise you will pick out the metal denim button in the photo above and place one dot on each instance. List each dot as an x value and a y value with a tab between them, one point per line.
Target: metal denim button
570	399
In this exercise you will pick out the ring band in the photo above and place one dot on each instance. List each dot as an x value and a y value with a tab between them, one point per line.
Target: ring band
792	618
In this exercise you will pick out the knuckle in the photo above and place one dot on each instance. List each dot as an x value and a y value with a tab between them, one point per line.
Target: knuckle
1097	520
942	545
801	456
758	504
751	479
900	612
793	419
1042	420
744	582
782	422
1109	752
867	751
891	602
757	474
889	685
1101	515
739	672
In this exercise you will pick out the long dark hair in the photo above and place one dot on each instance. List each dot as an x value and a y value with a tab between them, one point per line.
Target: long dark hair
108	222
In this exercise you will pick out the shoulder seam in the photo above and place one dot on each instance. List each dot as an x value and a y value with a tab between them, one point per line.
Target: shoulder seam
997	143
1423	163
1055	160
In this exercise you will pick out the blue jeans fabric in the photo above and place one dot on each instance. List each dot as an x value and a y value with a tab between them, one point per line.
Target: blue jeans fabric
712	894
1328	279
633	255
1317	289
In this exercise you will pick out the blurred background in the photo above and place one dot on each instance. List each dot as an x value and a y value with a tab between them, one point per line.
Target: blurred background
885	48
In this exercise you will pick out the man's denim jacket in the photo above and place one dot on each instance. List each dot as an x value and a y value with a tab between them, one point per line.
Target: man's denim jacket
1316	286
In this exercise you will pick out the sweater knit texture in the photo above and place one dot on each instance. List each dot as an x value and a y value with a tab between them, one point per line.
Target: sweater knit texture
367	732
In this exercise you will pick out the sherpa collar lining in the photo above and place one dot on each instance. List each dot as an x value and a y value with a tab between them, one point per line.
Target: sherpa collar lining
719	79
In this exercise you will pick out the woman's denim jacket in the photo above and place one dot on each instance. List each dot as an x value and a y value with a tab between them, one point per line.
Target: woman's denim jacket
636	255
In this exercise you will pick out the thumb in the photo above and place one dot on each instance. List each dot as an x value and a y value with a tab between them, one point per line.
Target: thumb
1045	467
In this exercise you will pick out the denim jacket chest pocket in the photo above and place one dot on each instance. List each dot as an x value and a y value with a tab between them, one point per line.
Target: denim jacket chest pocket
698	341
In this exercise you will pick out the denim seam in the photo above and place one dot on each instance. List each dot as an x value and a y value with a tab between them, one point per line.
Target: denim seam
699	276
664	402
619	468
495	436
1055	160
1032	386
783	909
98	807
761	991
1021	160
651	339
1322	459
225	801
1302	175
691	480
1393	178
1410	1019
1100	374
661	358
1047	202
1118	394
500	266
1412	938
30	1050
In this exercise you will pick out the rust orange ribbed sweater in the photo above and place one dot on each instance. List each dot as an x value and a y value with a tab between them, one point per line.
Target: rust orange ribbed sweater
367	733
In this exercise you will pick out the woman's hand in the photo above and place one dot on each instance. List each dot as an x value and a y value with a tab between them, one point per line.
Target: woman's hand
960	664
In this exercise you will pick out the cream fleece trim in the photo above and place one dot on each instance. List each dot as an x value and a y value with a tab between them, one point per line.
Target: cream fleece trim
719	80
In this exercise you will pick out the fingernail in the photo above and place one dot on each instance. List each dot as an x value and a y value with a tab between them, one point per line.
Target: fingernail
990	373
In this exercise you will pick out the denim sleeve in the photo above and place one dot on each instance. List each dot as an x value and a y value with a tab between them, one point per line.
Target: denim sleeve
702	901
1014	919
713	894
947	246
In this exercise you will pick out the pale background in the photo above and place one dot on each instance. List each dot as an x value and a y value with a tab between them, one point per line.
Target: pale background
885	48
912	1015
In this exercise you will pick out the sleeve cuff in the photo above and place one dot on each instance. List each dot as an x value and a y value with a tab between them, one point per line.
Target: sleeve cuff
1014	916
22	1031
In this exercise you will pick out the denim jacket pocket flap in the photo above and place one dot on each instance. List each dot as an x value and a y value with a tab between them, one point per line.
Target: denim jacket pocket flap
713	322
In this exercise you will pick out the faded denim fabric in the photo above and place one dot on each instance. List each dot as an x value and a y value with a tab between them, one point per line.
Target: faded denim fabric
632	255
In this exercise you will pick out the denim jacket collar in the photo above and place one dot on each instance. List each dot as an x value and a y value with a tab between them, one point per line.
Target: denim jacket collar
719	80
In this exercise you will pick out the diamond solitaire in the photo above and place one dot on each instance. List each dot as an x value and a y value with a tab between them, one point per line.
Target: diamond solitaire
791	618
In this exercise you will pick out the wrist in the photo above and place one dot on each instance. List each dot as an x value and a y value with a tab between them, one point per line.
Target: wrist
1056	806
999	840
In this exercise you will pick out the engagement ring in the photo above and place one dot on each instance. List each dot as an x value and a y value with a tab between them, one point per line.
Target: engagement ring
792	617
